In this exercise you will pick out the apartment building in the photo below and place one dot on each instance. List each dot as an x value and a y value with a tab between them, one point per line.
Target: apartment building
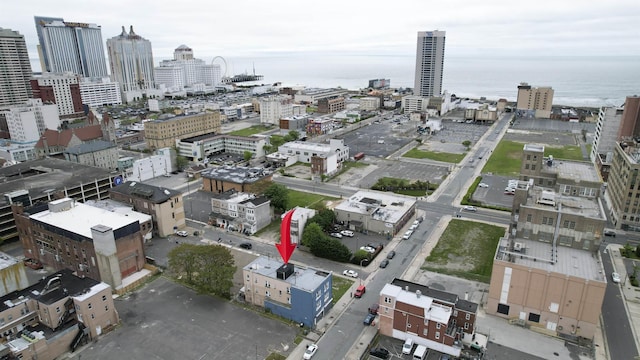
370	103
239	178
429	63
62	89
97	92
242	212
15	86
272	108
412	103
91	241
325	159
26	122
534	101
302	295
433	318
320	126
163	132
166	206
55	316
378	212
547	272
200	147
623	191
331	105
605	137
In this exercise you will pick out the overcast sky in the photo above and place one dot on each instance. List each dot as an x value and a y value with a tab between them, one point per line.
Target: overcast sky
261	27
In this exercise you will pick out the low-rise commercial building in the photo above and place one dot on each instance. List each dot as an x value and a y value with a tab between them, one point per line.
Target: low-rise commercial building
200	147
302	295
238	178
324	159
377	212
312	95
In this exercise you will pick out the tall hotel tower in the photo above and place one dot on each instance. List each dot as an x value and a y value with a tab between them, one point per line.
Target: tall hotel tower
15	69
131	61
70	46
429	63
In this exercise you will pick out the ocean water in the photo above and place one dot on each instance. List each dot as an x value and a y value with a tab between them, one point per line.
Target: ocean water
576	80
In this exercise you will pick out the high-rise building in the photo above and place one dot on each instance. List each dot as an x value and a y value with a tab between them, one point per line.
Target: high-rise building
429	63
15	69
605	138
70	47
185	71
100	91
26	122
534	101
61	89
131	61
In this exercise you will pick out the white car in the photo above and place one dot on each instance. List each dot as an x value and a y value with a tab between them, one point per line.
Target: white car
407	235
380	141
469	208
311	350
182	233
368	249
483	185
615	277
336	235
348	233
350	273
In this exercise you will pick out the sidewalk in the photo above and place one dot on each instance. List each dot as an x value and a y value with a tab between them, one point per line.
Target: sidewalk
631	295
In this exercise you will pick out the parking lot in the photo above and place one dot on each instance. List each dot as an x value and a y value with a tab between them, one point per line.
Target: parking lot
494	194
165	320
378	140
456	133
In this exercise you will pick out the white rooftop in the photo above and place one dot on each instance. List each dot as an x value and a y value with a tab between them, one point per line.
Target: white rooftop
307	279
380	205
432	311
80	218
92	291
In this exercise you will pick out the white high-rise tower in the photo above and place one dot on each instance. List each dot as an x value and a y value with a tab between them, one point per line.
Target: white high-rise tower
131	61
429	63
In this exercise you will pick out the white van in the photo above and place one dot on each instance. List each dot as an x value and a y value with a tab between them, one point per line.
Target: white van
408	345
420	353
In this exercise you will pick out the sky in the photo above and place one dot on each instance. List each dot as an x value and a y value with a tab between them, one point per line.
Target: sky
241	28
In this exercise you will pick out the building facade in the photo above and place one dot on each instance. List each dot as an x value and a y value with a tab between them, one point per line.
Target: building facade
378	212
325	159
273	108
55	316
242	212
238	178
93	242
605	138
27	122
62	89
412	103
98	153
15	86
165	206
185	71
429	63
534	101
96	92
302	295
163	132
331	105
432	318
200	147
370	103
131	61
622	190
70	47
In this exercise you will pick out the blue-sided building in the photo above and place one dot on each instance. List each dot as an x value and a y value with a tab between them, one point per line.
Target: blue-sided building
303	295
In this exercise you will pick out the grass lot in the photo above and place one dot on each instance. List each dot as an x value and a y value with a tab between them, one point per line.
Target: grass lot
564	152
415	153
255	129
466	250
346	166
340	287
507	157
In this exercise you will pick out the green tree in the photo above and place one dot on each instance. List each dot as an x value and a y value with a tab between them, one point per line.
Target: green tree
330	248
279	196
325	218
181	162
247	155
312	231
292	135
466	144
209	268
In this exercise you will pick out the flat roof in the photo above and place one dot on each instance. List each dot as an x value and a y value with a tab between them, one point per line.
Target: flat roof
381	206
7	260
575	171
576	205
537	254
47	175
81	218
307	279
432	311
234	174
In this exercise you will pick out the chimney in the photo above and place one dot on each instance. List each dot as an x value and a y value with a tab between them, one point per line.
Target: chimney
406	288
418	293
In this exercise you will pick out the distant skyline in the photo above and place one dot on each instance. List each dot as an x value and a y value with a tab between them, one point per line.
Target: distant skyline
262	28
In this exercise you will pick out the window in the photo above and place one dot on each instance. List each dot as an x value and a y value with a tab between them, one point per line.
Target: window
455	312
466	325
89	306
438	325
534	317
437	335
425	331
387	300
409	326
106	308
104	297
529	217
267	293
467	316
58	309
93	316
503	309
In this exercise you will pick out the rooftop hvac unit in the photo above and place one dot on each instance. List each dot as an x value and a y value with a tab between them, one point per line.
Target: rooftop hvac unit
518	247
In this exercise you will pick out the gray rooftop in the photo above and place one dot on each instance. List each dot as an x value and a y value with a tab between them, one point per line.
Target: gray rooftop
570	261
47	175
576	205
307	279
89	147
155	194
574	170
234	174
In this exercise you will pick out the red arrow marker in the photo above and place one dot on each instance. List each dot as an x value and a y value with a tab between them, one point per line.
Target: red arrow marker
286	248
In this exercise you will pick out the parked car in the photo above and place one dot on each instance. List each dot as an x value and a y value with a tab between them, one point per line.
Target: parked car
348	233
373	309
469	208
368	320
384	263
350	273
483	185
381	353
391	254
368	249
615	277
33	263
182	233
336	235
246	245
311	350
610	233
407	235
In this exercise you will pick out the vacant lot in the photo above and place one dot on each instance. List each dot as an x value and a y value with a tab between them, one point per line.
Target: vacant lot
507	157
255	129
465	249
434	155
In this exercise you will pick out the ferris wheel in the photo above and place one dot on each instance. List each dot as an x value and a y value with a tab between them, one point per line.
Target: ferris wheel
219	60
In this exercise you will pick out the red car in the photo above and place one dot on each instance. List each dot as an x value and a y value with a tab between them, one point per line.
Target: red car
32	263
